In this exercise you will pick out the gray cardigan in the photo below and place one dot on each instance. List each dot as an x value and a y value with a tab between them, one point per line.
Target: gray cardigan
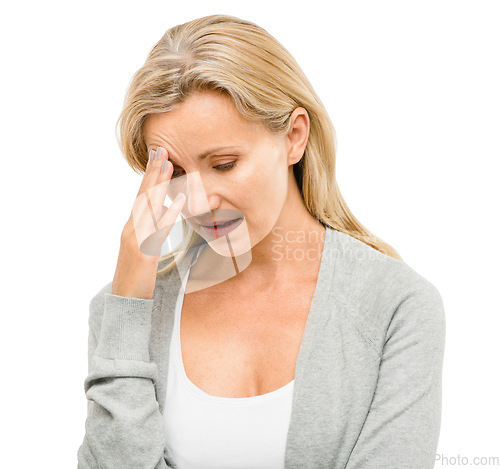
368	377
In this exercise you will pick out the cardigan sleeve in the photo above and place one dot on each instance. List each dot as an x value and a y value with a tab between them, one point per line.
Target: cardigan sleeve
124	427
401	430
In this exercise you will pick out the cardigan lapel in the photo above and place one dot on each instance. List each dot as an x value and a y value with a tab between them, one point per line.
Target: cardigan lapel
333	391
165	296
330	391
165	299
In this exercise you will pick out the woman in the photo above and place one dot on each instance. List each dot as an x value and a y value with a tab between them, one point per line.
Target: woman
306	341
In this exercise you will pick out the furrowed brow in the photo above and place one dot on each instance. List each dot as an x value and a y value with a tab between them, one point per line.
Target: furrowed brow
211	151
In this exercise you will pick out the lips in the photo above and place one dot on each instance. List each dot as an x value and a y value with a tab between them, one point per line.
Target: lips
220	224
222	229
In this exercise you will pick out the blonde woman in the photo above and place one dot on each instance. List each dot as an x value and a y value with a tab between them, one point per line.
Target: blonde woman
280	333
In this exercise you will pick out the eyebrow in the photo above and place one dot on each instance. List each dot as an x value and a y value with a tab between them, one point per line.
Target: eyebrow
210	152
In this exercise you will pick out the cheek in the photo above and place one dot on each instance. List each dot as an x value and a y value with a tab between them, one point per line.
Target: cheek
269	171
264	189
255	183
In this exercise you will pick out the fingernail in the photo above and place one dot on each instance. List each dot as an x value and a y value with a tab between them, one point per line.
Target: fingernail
179	197
159	152
151	153
164	165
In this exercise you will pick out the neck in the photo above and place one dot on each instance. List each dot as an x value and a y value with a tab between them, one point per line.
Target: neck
295	241
291	250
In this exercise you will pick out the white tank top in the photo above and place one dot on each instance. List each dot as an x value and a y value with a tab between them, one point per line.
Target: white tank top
212	432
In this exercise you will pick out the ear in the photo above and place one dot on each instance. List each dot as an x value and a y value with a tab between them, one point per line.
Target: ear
298	134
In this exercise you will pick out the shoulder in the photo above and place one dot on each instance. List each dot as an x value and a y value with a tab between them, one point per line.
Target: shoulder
371	287
364	264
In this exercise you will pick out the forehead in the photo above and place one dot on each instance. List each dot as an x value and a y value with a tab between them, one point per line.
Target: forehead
205	117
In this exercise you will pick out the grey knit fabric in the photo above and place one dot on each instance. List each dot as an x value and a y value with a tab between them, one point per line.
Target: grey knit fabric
368	377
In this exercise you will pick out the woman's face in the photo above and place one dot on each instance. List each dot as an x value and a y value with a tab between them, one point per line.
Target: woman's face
227	167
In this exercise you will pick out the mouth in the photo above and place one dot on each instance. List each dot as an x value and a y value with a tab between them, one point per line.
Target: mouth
222	228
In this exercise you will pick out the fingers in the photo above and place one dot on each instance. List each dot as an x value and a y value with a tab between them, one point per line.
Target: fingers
168	219
152	170
152	177
149	213
143	222
147	175
158	192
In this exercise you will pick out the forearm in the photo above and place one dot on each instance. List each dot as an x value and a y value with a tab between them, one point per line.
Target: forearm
124	426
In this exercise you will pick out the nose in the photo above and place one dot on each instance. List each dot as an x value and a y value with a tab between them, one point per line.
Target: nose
197	198
198	201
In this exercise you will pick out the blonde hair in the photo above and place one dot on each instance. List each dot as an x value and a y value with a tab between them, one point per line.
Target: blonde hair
242	60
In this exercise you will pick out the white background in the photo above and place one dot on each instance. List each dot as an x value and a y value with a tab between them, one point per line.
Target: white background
412	89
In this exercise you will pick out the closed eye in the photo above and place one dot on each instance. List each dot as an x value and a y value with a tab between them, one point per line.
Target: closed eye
225	166
221	167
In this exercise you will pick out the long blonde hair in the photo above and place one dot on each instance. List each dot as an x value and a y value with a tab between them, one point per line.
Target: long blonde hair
236	57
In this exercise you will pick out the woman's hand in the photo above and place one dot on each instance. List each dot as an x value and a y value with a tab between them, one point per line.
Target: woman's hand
145	231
